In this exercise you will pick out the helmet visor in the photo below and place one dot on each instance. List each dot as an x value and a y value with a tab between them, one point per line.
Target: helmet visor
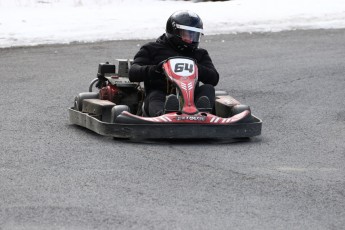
189	34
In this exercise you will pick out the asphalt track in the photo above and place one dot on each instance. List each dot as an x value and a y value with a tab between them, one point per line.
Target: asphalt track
54	175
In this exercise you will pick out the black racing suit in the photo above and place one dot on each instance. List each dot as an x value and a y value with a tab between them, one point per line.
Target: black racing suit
144	69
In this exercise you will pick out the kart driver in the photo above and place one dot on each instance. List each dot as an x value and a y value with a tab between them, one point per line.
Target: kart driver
182	37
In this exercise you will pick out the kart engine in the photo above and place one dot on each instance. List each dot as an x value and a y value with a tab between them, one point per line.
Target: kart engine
116	86
122	95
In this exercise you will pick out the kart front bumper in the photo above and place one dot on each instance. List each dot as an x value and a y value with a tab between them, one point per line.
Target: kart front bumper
166	131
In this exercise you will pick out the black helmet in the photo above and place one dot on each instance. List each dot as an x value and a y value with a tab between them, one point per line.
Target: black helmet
184	29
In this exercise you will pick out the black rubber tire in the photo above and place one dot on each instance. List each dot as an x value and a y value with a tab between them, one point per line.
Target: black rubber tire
78	100
239	109
117	110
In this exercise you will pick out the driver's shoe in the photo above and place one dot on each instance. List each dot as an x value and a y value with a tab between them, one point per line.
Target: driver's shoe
203	104
172	104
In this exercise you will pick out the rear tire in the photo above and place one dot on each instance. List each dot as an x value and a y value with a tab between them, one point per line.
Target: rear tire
117	110
78	100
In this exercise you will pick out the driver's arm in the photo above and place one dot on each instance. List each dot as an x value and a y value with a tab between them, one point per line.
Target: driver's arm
207	72
142	67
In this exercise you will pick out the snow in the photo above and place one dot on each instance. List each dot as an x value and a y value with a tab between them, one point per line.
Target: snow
33	22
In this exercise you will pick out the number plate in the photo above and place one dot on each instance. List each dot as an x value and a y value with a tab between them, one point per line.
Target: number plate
182	67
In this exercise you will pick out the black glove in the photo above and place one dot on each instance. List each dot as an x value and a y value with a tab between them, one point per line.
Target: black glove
156	71
160	67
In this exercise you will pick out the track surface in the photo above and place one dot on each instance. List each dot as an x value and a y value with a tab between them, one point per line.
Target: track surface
54	175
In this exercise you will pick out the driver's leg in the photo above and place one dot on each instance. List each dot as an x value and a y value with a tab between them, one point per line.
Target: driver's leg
205	90
154	103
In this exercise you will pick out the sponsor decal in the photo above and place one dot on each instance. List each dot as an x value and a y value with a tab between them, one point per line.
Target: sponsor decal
191	118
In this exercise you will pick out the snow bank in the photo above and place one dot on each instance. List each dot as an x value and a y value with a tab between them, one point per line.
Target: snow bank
32	22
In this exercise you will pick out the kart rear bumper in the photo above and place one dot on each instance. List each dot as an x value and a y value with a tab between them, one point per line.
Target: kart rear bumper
166	131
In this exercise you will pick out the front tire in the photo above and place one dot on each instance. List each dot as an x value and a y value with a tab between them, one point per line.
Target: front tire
237	109
117	110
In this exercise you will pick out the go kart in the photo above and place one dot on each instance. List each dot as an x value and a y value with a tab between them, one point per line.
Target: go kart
117	108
